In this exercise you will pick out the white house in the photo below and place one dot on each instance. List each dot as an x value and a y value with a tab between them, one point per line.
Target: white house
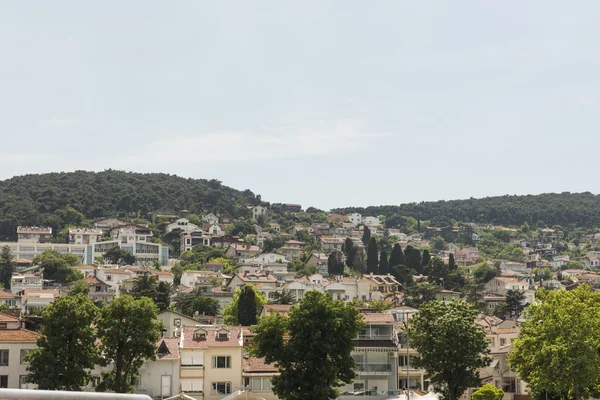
257	211
182	223
266	258
15	343
210	219
355	218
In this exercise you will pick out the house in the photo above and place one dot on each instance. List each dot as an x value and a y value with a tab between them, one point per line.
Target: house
500	286
376	357
225	241
559	261
290	253
275	226
193	238
174	321
266	258
114	276
34	234
181	223
242	252
203	279
15	343
86	270
354	218
381	285
21	282
257	375
10	299
131	233
225	219
371	221
330	243
210	218
98	290
282	309
319	260
106	224
240	280
336	218
292	207
85	235
211	361
257	211
213	229
447	295
38	299
163	276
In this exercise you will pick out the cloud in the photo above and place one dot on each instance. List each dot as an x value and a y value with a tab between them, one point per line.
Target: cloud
271	142
61	122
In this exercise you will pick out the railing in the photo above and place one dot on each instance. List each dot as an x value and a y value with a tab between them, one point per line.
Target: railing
373	367
376	337
374	393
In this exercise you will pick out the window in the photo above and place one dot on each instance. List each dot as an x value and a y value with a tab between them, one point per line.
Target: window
222	362
4	357
221	388
259	384
23	384
359	386
24	353
96	379
223	335
177	322
109	277
3	325
4	381
502	342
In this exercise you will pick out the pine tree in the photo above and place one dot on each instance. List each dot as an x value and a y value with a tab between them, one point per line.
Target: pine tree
412	259
335	263
397	256
384	267
7	267
349	250
451	263
372	257
247	307
426	258
366	238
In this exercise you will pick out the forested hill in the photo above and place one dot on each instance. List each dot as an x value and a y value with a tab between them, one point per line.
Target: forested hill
43	199
566	209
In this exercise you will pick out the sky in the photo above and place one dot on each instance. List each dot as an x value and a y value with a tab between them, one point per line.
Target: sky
322	103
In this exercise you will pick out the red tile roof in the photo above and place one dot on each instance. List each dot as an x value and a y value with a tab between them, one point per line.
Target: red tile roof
18	336
4	294
188	341
253	364
282	309
172	344
8	318
378	318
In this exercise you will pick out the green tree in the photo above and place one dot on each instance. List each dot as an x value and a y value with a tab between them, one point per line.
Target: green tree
79	287
372	257
403	274
231	312
144	286
451	368
66	348
128	330
366	237
247	307
284	297
349	249
557	348
118	256
513	305
194	302
484	273
437	243
396	256
451	262
316	359
436	271
541	274
7	267
335	263
419	294
488	392
412	258
426	258
384	267
162	297
58	267
359	263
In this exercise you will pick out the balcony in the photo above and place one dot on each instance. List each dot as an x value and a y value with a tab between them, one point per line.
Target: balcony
374	369
376	337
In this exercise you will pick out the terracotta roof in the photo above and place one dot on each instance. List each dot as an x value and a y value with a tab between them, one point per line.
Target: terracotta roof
8	318
188	341
162	273
378	318
90	280
172	344
116	271
282	309
253	364
4	294
506	330
18	336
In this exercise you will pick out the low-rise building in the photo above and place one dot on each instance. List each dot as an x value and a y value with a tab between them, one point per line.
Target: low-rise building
15	343
84	235
34	234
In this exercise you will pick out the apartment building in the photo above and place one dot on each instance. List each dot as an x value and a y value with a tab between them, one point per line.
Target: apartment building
34	234
15	343
84	236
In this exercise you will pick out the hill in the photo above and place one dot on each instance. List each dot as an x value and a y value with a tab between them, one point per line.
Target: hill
549	209
57	199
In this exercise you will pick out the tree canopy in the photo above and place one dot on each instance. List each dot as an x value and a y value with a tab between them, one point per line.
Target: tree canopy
451	368
231	313
557	347
316	359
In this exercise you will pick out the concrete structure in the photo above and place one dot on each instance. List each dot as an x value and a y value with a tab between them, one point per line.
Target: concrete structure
21	282
34	234
85	236
15	343
193	238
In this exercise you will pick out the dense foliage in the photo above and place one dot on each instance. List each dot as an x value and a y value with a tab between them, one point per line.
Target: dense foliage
567	209
65	198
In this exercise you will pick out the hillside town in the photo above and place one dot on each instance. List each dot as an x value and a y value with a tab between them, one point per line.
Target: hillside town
386	273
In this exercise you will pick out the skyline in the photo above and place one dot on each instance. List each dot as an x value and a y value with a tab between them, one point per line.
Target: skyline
310	103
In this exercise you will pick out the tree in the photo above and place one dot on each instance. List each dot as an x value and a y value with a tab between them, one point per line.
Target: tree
484	273
403	274
372	257
437	243
247	315
58	267
116	255
451	263
451	368
384	267
358	261
284	297
412	258
488	392
316	359
396	256
79	287
231	312
541	274
335	263
557	348
191	303
128	331
144	286
162	296
420	294
366	237
513	305
473	293
7	267
66	348
436	271
349	249
426	258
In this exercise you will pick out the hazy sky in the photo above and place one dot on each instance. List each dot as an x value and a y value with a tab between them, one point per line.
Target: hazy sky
323	103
